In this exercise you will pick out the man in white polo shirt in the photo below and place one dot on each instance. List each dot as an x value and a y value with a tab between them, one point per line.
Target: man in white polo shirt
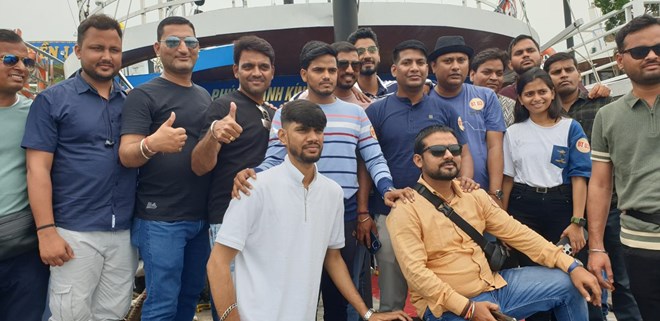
281	236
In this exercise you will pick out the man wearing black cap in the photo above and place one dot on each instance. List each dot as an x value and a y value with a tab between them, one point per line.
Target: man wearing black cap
479	108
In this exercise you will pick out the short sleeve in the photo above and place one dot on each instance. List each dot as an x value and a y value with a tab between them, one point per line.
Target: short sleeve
41	126
579	154
337	240
509	168
240	218
136	113
600	150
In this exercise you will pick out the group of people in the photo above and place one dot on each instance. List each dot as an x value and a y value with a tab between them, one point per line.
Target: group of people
278	204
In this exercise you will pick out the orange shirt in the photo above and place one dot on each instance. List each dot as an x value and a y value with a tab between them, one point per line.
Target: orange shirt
442	264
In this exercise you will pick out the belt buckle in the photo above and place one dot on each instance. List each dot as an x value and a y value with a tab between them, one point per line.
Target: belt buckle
541	190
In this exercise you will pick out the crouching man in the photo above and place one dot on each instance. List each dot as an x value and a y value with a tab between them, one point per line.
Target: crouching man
447	271
284	233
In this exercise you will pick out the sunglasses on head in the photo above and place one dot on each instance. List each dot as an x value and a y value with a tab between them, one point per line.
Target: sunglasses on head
174	42
642	51
439	150
343	64
12	60
370	49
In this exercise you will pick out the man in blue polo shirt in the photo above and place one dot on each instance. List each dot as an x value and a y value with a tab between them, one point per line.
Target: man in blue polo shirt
478	107
82	198
396	120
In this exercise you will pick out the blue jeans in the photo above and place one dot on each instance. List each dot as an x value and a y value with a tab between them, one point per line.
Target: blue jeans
175	256
531	289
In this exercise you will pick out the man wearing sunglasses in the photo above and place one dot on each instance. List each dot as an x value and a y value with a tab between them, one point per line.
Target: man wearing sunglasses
625	144
237	125
448	272
366	42
81	197
23	277
396	119
162	122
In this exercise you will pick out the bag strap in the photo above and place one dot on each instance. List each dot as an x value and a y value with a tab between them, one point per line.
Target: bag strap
444	208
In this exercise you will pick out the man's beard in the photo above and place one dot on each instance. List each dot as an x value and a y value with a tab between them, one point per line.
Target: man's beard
444	175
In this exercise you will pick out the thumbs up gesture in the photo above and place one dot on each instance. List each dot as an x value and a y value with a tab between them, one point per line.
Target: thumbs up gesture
168	139
226	130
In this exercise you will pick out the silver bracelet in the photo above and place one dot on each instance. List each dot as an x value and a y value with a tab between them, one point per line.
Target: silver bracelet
142	150
228	311
211	130
368	314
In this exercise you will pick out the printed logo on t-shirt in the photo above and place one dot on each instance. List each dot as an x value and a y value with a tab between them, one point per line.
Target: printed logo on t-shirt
460	123
477	104
151	205
582	145
559	156
373	133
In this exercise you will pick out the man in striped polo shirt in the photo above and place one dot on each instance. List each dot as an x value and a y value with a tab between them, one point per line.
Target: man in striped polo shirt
348	131
626	141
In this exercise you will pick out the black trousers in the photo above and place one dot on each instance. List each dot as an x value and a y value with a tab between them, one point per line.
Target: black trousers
644	276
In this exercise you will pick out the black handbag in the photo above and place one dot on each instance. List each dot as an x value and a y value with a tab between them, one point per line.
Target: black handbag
17	234
496	253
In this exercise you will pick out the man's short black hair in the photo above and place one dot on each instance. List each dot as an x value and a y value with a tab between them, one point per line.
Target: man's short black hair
343	46
488	55
313	50
253	43
636	24
520	38
100	22
9	36
304	112
405	45
426	132
560	56
363	33
174	20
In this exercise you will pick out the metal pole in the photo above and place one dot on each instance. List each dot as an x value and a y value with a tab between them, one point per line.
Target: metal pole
344	15
568	22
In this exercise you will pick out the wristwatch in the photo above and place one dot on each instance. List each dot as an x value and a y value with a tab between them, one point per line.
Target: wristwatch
581	221
577	263
497	193
368	314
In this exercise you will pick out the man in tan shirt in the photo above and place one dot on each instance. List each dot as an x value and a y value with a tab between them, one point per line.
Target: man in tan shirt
447	272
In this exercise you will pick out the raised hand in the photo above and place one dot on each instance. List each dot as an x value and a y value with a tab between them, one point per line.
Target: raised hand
226	130
168	139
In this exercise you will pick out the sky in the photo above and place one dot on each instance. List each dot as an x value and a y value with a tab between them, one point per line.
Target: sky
56	20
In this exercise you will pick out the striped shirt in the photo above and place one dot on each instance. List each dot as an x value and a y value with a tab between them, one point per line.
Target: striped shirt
348	130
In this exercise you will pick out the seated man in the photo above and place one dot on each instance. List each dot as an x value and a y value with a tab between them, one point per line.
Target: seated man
447	271
290	227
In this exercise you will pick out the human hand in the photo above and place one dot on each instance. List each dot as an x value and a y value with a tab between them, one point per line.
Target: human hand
585	282
597	263
365	225
599	91
168	139
575	235
482	311
241	183
360	96
394	315
468	184
405	195
53	249
226	130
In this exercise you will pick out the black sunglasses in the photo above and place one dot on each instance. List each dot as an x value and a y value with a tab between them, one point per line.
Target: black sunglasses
370	49
343	64
439	150
174	42
12	60
265	117
642	51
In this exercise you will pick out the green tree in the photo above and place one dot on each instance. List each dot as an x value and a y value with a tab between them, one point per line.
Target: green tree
607	6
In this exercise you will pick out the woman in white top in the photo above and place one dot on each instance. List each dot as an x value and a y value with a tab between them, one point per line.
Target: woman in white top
546	164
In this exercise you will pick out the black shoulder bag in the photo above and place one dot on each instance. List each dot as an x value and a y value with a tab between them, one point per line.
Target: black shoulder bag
496	253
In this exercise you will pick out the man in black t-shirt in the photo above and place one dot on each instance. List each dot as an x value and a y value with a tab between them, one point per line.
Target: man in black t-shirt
162	121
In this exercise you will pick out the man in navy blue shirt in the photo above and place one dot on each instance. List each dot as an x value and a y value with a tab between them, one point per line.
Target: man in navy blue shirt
82	198
396	120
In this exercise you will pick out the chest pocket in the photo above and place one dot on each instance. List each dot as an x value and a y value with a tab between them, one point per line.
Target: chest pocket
559	156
